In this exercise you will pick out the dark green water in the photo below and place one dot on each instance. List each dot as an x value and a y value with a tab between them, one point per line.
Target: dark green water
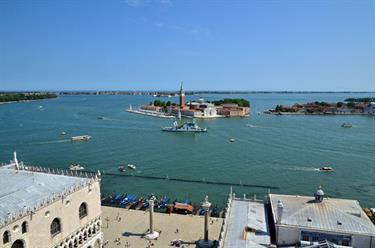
281	151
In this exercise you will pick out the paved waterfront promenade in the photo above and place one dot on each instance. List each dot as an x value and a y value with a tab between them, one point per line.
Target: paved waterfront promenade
125	228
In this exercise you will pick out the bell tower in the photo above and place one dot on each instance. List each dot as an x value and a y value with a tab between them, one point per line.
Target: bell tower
182	96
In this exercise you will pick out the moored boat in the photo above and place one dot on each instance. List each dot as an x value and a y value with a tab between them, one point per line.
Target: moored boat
121	168
76	167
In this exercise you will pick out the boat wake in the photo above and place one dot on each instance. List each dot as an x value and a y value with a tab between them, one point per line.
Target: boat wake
51	142
303	168
250	125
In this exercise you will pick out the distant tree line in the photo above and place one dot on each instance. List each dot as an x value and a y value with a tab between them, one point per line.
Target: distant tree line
159	103
364	99
240	101
15	97
323	104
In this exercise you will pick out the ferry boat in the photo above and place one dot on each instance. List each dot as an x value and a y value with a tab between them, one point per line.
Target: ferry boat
81	138
132	166
188	127
76	167
347	125
326	169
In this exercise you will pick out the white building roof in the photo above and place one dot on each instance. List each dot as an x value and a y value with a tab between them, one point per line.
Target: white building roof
22	191
335	215
246	213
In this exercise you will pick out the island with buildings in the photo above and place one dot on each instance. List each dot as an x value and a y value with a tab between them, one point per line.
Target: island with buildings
9	97
229	107
351	106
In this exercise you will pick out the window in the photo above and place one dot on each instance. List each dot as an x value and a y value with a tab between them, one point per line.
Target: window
18	244
305	238
6	237
55	227
24	227
83	210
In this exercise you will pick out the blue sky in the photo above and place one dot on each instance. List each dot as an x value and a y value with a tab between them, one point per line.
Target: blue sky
210	45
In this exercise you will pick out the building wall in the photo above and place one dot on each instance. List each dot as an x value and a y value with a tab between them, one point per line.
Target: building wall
287	236
363	241
73	228
292	236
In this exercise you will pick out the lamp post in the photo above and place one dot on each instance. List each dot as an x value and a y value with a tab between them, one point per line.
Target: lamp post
151	234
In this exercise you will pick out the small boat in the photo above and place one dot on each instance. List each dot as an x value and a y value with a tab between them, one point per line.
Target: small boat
232	140
132	166
81	138
100	117
326	169
76	167
187	127
63	133
347	125
121	168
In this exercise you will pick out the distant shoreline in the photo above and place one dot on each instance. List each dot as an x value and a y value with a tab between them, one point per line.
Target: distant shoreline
152	92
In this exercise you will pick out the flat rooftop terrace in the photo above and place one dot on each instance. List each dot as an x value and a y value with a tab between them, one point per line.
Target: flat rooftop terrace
247	225
125	228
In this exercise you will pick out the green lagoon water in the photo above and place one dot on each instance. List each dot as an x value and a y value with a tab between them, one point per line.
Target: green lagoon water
281	151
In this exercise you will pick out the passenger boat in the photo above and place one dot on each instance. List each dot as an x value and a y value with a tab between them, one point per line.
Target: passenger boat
326	169
81	138
187	127
347	125
76	167
132	166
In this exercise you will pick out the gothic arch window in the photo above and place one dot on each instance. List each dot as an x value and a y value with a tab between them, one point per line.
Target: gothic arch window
55	227
24	227
18	244
6	237
83	210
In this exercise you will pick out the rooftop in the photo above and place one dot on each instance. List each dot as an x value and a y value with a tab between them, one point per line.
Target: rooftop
22	190
336	215
250	215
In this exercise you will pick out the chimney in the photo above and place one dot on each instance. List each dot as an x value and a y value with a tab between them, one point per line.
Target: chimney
280	207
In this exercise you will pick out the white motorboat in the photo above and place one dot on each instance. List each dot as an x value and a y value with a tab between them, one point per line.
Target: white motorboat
326	169
81	138
132	166
347	125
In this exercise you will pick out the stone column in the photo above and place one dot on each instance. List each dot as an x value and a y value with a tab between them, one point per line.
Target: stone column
151	234
205	242
151	205
206	206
